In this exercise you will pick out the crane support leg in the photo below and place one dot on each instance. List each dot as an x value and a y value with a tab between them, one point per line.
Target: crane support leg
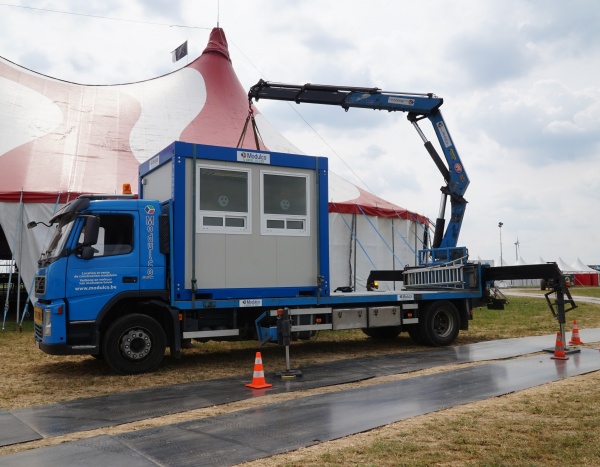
539	271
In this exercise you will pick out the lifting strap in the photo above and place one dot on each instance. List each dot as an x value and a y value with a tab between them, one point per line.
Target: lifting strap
257	136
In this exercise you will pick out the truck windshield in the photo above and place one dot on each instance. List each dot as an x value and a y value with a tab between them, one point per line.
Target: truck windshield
59	239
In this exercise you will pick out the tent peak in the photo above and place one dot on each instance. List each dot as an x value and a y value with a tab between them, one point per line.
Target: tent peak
217	43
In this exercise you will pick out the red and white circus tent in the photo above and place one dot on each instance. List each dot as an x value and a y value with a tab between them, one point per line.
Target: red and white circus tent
61	139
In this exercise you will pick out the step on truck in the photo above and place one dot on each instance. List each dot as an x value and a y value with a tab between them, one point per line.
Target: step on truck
226	243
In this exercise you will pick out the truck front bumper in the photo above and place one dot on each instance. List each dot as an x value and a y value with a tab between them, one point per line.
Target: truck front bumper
64	349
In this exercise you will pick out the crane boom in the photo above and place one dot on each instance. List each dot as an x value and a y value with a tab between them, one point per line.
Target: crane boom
418	107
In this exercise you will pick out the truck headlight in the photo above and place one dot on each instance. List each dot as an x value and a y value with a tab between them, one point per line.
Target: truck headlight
47	322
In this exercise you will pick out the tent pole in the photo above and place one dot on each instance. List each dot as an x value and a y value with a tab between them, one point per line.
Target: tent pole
20	256
6	300
353	233
393	251
416	239
12	261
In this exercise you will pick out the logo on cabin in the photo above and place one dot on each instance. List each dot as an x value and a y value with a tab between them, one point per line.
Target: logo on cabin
253	157
250	302
153	162
149	209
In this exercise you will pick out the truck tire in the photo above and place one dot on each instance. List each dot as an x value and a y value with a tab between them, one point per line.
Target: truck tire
134	344
386	332
439	324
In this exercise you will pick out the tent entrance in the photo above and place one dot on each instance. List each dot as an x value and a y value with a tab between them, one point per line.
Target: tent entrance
5	253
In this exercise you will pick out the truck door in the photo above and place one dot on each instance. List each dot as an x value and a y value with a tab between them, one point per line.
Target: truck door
113	269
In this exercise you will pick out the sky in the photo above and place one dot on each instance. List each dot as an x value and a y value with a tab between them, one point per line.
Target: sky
519	79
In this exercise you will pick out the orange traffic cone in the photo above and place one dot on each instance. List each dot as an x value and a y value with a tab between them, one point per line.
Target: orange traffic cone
575	334
258	379
559	350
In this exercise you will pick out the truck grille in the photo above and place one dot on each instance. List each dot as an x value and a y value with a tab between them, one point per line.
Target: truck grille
40	285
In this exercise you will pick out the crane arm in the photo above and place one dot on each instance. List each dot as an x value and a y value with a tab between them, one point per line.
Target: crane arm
418	107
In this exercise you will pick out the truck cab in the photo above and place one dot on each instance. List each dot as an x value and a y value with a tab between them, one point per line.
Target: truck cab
102	251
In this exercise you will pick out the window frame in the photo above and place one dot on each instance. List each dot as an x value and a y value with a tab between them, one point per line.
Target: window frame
223	215
266	217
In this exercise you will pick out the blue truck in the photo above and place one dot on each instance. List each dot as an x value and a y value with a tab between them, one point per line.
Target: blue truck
221	243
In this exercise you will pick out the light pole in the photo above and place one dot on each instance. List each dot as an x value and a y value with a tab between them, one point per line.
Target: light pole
500	224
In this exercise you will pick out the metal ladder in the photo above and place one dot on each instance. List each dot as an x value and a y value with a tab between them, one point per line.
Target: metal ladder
451	276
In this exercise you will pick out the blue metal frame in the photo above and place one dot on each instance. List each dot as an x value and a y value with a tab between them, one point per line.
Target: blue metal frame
323	220
441	256
339	299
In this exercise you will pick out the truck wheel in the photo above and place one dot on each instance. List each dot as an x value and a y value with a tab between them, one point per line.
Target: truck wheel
439	324
134	344
387	332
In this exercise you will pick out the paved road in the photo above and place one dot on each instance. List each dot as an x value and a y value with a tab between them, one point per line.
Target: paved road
577	298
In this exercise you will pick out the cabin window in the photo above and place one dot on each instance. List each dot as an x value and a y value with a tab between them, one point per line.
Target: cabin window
223	200
285	204
115	236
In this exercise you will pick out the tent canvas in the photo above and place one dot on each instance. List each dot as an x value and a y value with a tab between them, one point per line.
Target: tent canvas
61	139
585	275
580	266
564	267
367	232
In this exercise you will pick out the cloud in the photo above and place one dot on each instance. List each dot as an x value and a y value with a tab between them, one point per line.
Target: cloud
545	123
490	59
565	29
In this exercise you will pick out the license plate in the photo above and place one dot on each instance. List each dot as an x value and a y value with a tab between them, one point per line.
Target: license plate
37	315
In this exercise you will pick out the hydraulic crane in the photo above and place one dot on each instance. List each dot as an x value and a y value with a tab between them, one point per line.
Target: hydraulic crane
444	252
417	107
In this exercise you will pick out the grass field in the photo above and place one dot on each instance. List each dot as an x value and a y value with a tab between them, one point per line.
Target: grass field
555	424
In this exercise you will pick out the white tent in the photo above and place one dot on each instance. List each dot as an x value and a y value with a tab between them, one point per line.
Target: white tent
369	233
580	266
564	267
61	139
585	275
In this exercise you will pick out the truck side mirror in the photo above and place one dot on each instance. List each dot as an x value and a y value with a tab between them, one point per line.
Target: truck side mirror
87	252
92	227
